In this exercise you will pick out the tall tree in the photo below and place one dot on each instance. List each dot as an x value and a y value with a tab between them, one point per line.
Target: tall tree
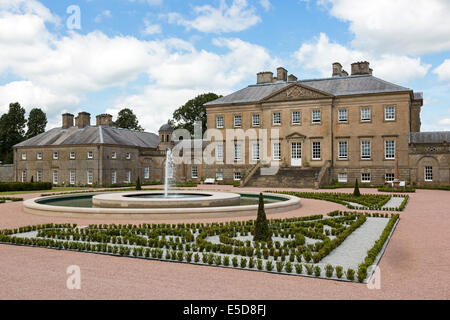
37	121
12	131
192	111
127	119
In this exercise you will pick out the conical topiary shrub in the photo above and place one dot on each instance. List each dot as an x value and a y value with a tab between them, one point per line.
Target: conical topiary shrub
138	184
356	192
262	232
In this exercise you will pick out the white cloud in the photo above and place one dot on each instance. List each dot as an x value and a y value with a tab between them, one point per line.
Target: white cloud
320	53
398	27
104	14
226	18
56	73
150	28
265	4
28	7
445	121
443	71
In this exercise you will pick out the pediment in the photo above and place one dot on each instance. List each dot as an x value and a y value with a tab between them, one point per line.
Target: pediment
297	91
295	135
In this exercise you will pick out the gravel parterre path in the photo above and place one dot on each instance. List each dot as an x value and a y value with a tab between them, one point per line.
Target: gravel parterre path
416	264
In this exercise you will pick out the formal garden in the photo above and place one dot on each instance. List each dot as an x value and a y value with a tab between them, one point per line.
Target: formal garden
306	246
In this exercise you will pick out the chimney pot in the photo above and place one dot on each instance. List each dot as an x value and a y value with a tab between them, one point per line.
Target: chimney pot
360	68
264	77
104	120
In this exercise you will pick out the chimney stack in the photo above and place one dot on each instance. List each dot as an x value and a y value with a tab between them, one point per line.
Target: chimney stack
338	71
292	78
264	77
281	74
83	120
104	120
360	68
67	120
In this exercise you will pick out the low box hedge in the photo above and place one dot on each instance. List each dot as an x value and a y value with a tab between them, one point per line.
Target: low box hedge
24	186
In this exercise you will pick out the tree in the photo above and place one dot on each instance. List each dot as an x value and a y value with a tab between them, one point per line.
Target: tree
37	121
262	232
192	111
356	192
138	184
12	131
127	119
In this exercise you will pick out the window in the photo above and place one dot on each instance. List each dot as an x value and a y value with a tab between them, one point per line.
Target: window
72	155
114	155
90	155
365	149
428	173
219	152
219	122
255	151
55	176
365	114
342	177
276	151
296	117
237	121
128	177
24	156
389	177
237	152
365	177
39	156
389	113
316	150
315	116
237	176
90	177
147	173
38	176
255	120
24	176
342	149
194	172
72	177
276	118
342	115
113	177
128	156
219	176
55	155
389	149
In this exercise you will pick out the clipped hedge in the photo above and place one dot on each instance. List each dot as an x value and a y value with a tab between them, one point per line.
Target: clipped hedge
24	186
390	189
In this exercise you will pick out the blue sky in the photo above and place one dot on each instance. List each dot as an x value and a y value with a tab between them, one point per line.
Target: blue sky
154	55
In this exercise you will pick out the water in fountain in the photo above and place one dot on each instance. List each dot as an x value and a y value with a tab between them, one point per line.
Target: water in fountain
168	172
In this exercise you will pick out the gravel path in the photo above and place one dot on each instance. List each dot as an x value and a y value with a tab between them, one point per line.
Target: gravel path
354	249
393	202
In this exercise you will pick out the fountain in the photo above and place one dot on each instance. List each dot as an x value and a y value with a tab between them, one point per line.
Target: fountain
168	172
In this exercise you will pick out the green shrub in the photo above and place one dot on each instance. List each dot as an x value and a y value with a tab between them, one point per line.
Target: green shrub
317	271
262	232
180	255
235	262
280	266
218	260
288	267
269	265
138	184
204	258
259	264
25	186
329	270
251	263
309	269
362	273
189	256
356	192
339	272
350	274
226	261
298	268
243	263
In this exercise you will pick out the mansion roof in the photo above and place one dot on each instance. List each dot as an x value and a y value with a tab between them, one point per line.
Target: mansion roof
92	135
429	137
336	86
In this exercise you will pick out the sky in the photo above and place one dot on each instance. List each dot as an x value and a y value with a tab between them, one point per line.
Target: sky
154	55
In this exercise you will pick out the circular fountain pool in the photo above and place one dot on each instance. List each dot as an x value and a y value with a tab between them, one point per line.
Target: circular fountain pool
153	205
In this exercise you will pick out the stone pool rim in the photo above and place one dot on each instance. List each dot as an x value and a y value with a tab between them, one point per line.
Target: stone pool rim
33	206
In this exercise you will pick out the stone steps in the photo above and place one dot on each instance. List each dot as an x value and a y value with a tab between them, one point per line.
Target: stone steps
286	177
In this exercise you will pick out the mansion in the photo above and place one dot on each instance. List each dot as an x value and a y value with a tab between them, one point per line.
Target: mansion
341	128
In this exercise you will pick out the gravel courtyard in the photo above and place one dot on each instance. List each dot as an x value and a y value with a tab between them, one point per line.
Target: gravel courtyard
416	264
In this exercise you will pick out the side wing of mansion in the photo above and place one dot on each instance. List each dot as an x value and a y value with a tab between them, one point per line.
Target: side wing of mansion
341	128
